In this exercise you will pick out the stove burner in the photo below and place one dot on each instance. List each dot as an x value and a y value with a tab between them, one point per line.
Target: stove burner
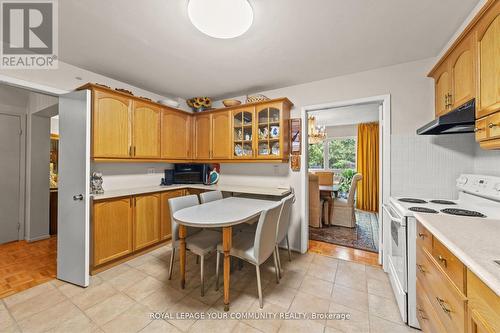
443	202
462	212
423	210
412	200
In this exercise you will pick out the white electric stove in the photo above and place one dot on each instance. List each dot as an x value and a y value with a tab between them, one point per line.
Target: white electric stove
478	197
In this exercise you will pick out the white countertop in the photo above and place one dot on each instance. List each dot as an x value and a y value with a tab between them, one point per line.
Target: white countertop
223	213
475	241
273	191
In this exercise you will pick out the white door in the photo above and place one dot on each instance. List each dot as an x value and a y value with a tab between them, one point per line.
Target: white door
74	177
10	163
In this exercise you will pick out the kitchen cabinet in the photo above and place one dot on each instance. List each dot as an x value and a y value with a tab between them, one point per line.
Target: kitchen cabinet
220	131
146	125
112	230
175	135
488	131
442	89
463	74
450	298
147	212
243	132
111	126
166	223
272	130
202	149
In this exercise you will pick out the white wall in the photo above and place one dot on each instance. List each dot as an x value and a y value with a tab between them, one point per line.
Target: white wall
342	131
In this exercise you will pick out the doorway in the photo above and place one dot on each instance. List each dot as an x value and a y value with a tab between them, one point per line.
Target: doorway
340	168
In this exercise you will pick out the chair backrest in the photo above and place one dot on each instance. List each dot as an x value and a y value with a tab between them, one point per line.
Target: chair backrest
179	203
284	220
210	196
314	202
265	234
352	190
325	177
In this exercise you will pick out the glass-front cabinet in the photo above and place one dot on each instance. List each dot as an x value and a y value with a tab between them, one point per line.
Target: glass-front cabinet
260	131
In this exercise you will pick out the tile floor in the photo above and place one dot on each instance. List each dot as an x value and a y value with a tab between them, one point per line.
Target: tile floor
121	299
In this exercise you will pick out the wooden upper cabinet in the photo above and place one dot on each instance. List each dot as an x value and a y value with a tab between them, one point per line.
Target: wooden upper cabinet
146	220
221	135
146	119
111	126
488	40
270	129
112	230
202	136
176	135
463	77
243	132
442	79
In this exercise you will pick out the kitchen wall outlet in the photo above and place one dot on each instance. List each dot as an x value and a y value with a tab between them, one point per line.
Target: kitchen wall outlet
151	171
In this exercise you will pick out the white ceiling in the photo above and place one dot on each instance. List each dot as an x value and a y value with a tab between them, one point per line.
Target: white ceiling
348	115
152	44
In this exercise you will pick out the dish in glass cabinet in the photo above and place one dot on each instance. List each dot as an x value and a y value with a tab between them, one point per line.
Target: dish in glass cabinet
275	131
263	133
275	149
238	151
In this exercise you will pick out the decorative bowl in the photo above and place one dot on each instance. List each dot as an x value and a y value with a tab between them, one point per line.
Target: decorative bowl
230	102
199	104
169	102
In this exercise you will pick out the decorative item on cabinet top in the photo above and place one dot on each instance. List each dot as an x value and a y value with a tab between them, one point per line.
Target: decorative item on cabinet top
199	104
231	102
257	98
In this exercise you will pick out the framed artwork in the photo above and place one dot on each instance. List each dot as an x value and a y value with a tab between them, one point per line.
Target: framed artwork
295	136
295	162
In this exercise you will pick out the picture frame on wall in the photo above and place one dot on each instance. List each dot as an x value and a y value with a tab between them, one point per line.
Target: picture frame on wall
295	136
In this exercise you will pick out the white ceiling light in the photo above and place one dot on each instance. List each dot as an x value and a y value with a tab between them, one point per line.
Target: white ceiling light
221	18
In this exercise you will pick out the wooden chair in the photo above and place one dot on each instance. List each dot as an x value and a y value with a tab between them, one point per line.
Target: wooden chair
326	179
343	210
315	202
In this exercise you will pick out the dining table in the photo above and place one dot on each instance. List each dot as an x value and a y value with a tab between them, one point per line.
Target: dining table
225	214
326	192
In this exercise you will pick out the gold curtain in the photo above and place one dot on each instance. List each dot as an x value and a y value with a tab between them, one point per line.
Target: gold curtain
368	166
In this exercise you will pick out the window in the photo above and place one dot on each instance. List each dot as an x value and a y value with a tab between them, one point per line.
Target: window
316	156
342	153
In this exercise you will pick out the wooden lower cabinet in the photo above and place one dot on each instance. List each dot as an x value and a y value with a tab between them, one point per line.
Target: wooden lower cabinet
146	220
112	230
450	298
166	224
488	131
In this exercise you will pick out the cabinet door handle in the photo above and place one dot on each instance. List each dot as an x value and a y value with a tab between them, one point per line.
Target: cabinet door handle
422	235
479	129
421	268
491	125
443	306
443	260
421	314
450	99
78	197
130	151
134	150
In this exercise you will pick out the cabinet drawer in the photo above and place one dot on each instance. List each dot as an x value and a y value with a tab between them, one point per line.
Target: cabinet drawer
493	125
424	237
450	264
448	303
426	315
481	129
483	301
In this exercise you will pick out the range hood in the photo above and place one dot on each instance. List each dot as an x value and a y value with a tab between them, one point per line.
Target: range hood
460	120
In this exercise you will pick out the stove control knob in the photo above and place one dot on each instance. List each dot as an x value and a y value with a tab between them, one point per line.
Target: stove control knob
497	187
462	180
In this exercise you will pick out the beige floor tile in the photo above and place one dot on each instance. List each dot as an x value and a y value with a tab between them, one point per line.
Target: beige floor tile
332	330
351	298
380	287
133	320
188	305
28	293
93	295
358	321
114	272
52	317
325	261
292	278
109	309
160	326
57	283
279	295
239	301
143	288
241	327
71	290
6	319
156	268
323	272
213	325
211	295
11	329
162	253
375	272
127	279
140	260
36	304
384	308
300	326
266	325
164	299
80	324
316	287
351	275
379	325
307	303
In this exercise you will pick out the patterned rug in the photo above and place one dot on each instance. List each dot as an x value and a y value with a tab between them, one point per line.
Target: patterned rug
364	236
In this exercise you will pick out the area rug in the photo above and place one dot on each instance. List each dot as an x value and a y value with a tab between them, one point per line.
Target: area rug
364	236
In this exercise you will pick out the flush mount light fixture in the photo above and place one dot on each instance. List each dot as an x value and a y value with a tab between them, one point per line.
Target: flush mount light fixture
221	18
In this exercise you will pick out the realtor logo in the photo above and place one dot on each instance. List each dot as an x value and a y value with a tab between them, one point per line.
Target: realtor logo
29	34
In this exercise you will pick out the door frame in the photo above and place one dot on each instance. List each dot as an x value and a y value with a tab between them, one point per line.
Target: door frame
22	171
384	102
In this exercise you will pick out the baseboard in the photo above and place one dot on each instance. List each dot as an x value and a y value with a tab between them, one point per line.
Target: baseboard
30	240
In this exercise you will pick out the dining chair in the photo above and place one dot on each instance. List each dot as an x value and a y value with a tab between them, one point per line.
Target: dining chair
198	241
283	225
257	249
315	202
343	209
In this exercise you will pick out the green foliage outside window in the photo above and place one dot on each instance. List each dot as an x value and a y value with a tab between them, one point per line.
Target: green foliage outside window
316	156
342	153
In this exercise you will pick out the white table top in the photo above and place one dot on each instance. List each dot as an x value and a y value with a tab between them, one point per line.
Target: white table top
222	213
473	240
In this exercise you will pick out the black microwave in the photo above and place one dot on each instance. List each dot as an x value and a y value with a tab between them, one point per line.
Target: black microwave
190	173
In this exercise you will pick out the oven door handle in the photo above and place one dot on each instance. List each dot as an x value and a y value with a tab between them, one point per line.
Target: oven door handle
395	219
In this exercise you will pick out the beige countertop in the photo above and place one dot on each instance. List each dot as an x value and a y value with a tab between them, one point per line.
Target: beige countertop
272	191
475	241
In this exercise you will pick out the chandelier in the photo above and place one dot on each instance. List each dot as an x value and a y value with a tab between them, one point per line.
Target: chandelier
316	134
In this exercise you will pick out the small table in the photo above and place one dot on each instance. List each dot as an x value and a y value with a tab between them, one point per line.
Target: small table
220	213
328	190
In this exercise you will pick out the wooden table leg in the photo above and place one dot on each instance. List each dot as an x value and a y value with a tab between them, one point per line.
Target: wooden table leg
182	254
330	210
226	246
